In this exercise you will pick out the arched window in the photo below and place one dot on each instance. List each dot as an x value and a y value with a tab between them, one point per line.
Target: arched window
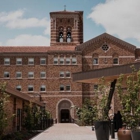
68	38
95	59
61	34
115	59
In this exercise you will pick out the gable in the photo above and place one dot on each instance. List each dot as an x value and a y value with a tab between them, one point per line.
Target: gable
102	39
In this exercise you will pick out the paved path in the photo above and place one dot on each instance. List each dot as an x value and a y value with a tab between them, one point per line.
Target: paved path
67	132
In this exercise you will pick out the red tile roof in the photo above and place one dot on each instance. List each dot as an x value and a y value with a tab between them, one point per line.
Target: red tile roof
62	48
34	49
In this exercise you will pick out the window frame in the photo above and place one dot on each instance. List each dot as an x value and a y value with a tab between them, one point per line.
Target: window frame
41	87
55	58
30	61
17	75
42	72
69	88
30	86
62	86
6	62
44	60
74	62
68	58
5	74
61	60
19	60
67	73
95	87
116	58
18	86
61	73
30	74
95	61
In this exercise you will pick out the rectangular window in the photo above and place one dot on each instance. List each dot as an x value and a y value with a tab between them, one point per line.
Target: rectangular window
67	74
42	61
18	88
42	88
6	74
115	61
67	61
30	88
18	61
62	88
61	74
6	61
30	74
61	60
68	88
74	60
95	87
31	61
18	74
55	60
95	61
42	74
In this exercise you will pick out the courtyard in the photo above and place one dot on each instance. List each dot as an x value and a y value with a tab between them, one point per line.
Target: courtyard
67	131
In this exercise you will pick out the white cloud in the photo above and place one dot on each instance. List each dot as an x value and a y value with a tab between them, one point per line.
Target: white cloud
28	40
119	17
15	20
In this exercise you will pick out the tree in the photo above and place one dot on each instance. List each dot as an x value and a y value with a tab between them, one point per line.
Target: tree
4	118
130	98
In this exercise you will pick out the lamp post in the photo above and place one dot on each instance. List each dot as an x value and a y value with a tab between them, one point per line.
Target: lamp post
112	126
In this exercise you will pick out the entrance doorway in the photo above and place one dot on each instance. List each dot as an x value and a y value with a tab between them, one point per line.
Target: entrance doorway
64	112
65	116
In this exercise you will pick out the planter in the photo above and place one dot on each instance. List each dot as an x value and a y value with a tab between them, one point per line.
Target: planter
135	135
124	134
102	129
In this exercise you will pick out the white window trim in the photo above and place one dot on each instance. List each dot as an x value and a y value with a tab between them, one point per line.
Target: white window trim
18	86
17	74
97	60
7	73
32	87
55	58
43	60
67	61
29	60
5	59
42	72
68	90
44	87
62	90
31	74
17	61
74	58
61	58
113	61
63	74
69	73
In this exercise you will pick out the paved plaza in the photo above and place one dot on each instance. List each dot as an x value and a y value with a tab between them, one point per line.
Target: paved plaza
67	131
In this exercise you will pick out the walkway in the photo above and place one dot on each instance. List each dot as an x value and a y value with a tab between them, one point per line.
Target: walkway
67	132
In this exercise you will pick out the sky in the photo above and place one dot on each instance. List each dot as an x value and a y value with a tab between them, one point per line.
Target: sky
27	22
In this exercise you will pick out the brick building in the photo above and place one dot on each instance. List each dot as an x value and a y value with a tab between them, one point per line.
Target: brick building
45	73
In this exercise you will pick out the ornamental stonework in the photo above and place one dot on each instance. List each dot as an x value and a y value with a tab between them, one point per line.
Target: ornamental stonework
64	22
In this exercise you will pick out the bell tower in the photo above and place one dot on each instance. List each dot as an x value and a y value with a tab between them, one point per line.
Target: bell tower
66	28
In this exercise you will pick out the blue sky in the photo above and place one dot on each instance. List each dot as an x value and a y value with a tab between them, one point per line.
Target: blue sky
27	22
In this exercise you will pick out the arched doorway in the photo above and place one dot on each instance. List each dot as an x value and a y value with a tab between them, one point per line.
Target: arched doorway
64	112
65	116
